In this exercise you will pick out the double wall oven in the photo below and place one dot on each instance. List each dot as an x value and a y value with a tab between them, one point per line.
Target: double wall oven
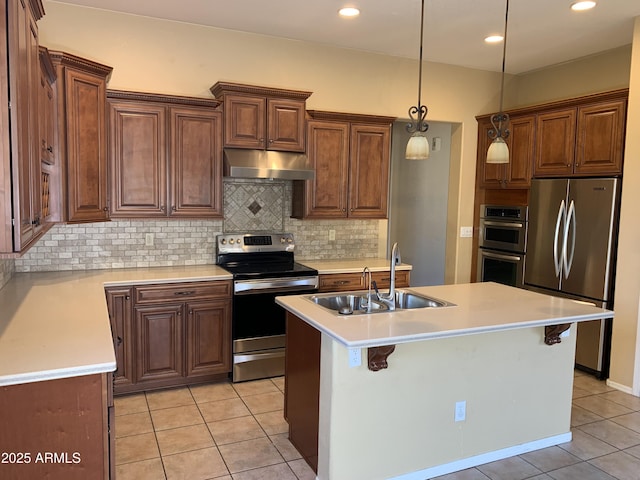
263	268
502	244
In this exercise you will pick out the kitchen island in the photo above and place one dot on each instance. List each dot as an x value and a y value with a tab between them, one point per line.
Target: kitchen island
465	384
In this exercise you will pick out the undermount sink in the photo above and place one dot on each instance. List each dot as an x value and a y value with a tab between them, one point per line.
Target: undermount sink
348	303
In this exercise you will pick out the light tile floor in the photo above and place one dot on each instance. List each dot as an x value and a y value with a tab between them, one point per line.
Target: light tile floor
218	431
237	432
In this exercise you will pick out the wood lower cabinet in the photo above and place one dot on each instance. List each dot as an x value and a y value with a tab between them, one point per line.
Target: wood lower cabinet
262	118
58	429
120	307
82	137
165	156
170	334
342	282
350	154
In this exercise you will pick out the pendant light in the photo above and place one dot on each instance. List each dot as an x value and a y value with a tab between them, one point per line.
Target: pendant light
418	144
498	150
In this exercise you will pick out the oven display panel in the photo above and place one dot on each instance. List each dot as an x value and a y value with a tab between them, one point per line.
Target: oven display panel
258	240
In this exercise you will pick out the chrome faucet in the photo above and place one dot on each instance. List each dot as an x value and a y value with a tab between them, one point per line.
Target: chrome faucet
366	271
390	299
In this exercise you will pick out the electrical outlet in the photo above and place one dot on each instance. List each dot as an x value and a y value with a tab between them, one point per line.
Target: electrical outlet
148	239
332	235
461	411
355	357
466	232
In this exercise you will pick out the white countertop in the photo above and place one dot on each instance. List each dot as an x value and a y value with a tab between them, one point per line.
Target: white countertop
56	324
479	308
352	266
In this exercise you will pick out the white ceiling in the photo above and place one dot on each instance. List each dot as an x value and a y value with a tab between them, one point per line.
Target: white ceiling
541	32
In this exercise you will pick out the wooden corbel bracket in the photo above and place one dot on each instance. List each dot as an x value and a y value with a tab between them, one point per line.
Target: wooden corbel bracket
552	333
378	357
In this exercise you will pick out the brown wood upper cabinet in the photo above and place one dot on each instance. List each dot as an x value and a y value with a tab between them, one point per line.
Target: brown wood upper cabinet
262	118
20	190
82	137
516	173
587	139
170	334
165	156
350	154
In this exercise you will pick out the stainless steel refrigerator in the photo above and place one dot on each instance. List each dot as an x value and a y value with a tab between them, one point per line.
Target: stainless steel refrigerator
571	244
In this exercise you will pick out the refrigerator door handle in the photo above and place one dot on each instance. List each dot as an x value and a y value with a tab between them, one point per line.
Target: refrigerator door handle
567	258
557	262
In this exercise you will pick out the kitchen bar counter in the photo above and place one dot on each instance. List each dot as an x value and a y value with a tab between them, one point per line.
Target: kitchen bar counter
56	325
479	308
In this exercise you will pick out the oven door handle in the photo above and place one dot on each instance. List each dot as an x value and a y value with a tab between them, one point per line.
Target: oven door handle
291	284
499	256
504	224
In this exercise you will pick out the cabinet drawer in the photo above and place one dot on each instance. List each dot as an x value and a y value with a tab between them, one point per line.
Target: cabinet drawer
181	291
341	281
383	279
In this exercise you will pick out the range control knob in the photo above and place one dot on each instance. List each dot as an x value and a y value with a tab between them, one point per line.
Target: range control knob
223	241
231	241
238	241
289	240
282	240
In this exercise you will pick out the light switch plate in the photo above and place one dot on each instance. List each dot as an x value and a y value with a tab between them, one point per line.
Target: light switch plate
355	357
466	232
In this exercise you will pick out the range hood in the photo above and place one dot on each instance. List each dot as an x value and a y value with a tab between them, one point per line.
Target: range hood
243	163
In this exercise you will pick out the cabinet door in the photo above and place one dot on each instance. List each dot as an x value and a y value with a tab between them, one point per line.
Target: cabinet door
35	178
120	306
521	143
19	37
138	158
208	337
555	143
369	171
196	162
244	121
47	119
85	96
491	175
159	331
600	138
285	124
326	195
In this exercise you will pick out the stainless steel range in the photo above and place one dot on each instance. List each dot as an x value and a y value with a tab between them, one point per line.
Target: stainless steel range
263	267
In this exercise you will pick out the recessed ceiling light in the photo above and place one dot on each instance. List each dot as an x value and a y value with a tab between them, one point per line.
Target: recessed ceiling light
585	5
494	39
349	12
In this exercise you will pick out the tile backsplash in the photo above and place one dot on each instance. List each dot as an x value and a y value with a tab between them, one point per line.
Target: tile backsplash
249	206
7	268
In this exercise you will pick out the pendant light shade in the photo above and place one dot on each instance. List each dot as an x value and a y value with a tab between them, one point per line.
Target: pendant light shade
418	144
417	147
498	150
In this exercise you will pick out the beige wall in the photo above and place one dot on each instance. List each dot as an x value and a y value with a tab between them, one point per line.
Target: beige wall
625	351
597	73
516	387
176	58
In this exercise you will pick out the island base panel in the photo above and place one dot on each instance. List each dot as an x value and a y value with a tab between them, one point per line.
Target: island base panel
302	387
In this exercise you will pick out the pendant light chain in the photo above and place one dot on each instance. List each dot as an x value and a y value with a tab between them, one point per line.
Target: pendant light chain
418	113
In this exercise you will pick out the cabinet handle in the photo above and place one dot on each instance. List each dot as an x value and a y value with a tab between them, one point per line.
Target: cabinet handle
119	341
341	282
127	297
50	149
188	292
386	279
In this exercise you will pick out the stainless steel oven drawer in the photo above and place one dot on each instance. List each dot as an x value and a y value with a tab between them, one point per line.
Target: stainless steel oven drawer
258	364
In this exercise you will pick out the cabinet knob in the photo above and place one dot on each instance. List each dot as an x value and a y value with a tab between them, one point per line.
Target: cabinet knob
127	297
163	208
50	149
119	341
173	208
190	312
179	314
271	140
106	209
261	140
